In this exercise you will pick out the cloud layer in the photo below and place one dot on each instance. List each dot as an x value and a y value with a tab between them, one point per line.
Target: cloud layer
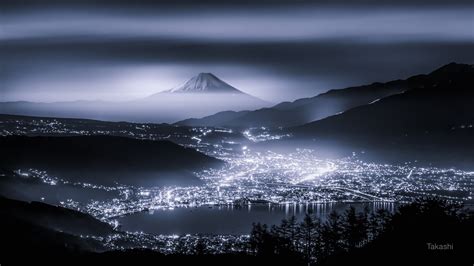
274	53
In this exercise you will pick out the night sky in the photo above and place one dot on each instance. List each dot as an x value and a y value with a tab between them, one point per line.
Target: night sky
275	50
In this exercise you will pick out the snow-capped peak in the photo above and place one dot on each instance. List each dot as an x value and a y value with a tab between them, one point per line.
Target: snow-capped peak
204	83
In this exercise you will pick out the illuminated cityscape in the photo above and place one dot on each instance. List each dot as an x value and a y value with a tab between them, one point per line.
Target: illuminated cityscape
262	178
276	132
248	177
299	177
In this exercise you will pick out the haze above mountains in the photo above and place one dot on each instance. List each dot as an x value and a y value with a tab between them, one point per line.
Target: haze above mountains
202	95
303	110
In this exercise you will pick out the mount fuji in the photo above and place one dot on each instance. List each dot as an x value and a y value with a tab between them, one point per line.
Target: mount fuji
202	95
205	83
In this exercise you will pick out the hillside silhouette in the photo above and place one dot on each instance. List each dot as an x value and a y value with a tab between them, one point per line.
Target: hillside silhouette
105	159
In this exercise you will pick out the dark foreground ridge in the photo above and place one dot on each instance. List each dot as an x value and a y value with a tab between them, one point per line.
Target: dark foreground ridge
57	218
426	231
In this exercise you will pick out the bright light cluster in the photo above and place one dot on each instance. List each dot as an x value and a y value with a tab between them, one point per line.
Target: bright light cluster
248	177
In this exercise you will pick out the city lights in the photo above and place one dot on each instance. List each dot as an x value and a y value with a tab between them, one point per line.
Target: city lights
249	176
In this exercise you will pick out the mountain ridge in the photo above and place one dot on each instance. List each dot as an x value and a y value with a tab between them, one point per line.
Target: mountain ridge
304	110
432	122
332	102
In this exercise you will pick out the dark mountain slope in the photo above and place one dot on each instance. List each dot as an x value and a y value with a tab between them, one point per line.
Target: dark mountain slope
104	159
36	230
433	120
54	218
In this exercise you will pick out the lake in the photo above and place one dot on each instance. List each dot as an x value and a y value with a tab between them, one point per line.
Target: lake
229	219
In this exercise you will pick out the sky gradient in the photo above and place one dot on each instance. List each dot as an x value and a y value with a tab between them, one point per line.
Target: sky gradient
275	50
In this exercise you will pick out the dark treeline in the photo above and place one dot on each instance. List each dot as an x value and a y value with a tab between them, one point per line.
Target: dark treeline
372	238
315	240
406	237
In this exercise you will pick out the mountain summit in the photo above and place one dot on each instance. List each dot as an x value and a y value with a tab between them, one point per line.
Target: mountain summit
205	83
202	95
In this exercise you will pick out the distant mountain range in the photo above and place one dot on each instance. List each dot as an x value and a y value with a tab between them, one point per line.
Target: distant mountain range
301	111
106	159
307	110
202	95
432	120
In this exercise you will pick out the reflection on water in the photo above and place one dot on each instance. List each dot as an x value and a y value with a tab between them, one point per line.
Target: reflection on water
231	219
